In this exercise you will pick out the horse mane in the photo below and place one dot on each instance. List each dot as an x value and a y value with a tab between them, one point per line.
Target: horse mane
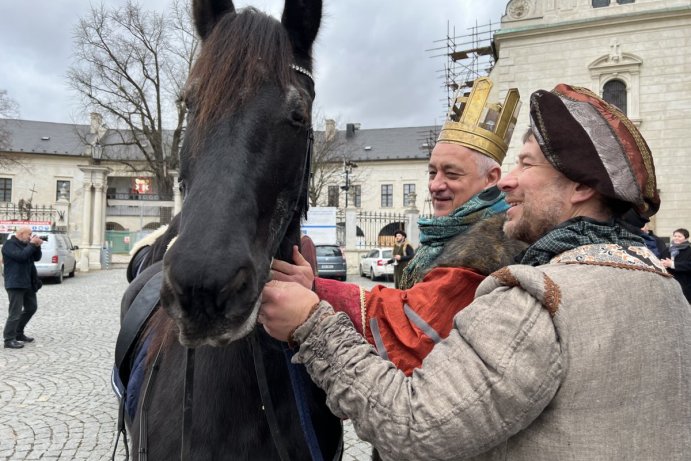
243	51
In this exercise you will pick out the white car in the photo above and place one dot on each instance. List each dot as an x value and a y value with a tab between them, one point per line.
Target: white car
375	263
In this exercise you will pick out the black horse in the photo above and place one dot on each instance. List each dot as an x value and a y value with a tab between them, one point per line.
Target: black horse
244	172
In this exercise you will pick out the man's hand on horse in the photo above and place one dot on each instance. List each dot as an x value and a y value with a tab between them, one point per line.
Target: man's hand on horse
284	307
300	272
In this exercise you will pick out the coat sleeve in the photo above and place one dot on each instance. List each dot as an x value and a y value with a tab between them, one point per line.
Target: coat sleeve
21	254
407	323
343	297
498	369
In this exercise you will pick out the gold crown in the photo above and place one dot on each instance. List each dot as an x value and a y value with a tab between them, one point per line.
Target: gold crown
480	125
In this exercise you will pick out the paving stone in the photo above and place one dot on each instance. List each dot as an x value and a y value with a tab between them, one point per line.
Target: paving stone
56	402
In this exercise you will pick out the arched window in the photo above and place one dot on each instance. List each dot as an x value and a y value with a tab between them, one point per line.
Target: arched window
600	3
614	92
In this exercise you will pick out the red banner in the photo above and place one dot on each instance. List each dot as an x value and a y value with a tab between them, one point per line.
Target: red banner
142	185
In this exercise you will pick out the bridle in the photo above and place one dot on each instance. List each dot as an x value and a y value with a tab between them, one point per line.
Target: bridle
306	167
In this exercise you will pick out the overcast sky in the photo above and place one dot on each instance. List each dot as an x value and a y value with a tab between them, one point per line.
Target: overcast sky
372	62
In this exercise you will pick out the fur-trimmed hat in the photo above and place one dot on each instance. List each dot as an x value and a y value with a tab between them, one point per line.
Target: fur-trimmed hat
402	232
593	143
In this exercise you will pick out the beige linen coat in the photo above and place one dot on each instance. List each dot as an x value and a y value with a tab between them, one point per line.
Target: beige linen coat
586	358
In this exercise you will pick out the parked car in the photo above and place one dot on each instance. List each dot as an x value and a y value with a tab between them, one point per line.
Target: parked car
375	263
330	262
57	259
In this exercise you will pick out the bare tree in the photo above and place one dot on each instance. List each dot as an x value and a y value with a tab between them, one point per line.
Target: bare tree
331	150
131	65
8	109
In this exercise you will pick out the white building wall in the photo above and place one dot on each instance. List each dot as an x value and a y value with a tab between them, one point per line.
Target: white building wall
41	173
562	45
371	175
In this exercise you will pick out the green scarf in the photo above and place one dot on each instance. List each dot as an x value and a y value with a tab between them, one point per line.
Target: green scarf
436	231
574	233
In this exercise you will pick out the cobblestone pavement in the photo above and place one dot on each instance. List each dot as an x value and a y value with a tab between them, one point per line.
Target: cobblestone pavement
56	402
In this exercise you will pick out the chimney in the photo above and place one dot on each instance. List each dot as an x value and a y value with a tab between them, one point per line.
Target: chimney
96	122
98	129
351	128
329	129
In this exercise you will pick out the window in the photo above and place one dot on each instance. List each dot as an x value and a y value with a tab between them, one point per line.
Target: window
387	195
62	189
600	3
333	196
614	92
357	195
407	190
616	76
623	2
5	189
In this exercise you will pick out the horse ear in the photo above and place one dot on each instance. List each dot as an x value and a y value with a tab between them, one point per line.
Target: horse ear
301	18
206	14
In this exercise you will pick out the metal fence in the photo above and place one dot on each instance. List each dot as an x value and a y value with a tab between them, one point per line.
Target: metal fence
27	212
376	229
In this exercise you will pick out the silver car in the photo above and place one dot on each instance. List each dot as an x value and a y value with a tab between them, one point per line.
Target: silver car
330	262
57	259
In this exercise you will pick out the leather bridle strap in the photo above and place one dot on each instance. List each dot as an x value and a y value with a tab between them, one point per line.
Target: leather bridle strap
304	181
146	398
267	404
188	399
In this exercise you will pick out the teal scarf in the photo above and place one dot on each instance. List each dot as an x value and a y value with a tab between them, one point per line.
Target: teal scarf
574	233
436	231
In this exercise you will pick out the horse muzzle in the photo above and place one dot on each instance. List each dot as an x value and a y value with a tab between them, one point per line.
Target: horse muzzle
212	307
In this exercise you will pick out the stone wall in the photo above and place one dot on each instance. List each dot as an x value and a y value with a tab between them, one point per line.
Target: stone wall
645	44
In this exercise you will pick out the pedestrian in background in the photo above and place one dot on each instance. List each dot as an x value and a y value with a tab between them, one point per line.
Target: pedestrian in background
677	260
638	225
402	253
21	283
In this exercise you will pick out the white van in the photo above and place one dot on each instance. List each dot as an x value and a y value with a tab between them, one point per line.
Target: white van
57	258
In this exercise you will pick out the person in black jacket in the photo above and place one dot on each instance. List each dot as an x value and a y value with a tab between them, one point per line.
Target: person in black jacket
21	283
677	259
402	253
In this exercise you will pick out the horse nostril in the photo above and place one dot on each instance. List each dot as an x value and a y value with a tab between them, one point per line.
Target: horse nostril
239	287
241	282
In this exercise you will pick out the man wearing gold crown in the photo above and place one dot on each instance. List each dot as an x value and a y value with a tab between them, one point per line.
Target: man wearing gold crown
583	351
461	245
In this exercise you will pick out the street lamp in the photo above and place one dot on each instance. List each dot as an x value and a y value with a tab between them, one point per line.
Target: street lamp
347	169
97	152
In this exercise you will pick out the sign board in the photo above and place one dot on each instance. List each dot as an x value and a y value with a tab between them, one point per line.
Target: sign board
320	225
141	185
36	226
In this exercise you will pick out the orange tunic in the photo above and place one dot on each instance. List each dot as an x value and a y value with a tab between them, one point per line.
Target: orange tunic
395	314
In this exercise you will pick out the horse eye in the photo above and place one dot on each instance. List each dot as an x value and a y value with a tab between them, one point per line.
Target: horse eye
299	116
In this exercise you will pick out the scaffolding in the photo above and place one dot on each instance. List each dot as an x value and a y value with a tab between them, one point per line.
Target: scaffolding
466	57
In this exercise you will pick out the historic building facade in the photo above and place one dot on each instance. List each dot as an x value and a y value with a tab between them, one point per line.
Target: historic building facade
57	173
633	52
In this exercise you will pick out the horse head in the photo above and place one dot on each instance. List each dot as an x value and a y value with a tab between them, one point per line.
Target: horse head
243	165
